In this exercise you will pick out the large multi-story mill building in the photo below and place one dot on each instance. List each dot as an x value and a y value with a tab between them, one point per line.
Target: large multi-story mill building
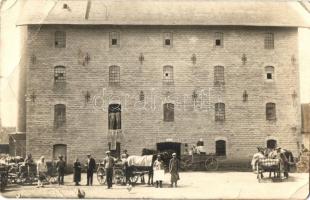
158	74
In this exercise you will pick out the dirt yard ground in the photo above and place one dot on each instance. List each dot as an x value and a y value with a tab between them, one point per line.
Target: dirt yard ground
193	185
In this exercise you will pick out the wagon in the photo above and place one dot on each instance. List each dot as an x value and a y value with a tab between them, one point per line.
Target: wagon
269	165
199	162
118	174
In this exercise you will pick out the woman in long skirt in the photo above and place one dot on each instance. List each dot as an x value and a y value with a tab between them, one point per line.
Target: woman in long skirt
77	171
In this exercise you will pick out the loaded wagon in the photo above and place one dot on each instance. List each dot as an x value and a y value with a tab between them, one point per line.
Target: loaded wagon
269	165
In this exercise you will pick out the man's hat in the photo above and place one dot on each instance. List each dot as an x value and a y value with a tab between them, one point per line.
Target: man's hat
60	156
174	154
108	152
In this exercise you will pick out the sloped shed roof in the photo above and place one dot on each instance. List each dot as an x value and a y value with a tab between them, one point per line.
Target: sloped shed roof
165	12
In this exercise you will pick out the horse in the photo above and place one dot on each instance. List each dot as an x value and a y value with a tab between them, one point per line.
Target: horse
145	163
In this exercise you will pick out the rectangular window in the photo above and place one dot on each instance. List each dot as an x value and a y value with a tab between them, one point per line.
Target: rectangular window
114	75
219	112
60	39
270	111
168	74
115	117
219	39
59	115
269	70
168	112
219	76
168	39
114	39
269	41
60	74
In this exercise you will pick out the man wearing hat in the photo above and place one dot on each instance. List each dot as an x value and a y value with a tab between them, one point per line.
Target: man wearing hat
108	164
174	169
60	166
91	166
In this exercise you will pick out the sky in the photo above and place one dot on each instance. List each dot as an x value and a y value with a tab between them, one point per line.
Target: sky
10	56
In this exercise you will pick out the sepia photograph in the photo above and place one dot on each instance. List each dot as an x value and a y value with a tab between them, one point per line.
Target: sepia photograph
155	99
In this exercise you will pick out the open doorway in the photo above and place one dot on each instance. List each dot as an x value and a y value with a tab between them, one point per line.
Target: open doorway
170	147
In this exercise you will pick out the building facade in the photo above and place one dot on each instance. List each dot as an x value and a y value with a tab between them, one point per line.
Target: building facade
108	84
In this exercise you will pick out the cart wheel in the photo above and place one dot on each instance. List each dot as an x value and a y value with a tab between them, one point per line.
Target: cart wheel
134	178
211	164
101	176
118	177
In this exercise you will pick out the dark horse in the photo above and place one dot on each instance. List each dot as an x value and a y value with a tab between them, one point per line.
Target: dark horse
147	152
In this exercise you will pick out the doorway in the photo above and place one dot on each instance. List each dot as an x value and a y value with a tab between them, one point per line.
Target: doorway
170	147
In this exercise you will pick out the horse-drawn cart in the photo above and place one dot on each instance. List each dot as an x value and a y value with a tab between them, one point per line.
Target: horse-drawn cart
269	165
118	174
199	162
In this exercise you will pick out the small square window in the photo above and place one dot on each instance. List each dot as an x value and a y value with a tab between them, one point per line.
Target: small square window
114	41
269	75
167	42
219	39
168	39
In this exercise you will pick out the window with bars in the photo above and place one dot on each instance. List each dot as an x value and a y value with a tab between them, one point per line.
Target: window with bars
168	39
220	148
60	74
269	41
114	39
60	39
114	75
219	39
219	112
271	111
269	70
168	74
168	112
59	115
219	75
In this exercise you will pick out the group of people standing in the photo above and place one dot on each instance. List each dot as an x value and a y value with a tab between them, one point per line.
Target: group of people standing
108	163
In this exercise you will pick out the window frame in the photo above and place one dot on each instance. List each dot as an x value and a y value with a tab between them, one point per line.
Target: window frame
271	111
225	148
269	40
114	78
270	70
60	39
169	80
168	36
219	36
219	75
114	35
168	112
60	110
219	112
60	69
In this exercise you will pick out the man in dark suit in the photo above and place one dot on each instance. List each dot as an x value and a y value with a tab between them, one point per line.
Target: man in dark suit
91	166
